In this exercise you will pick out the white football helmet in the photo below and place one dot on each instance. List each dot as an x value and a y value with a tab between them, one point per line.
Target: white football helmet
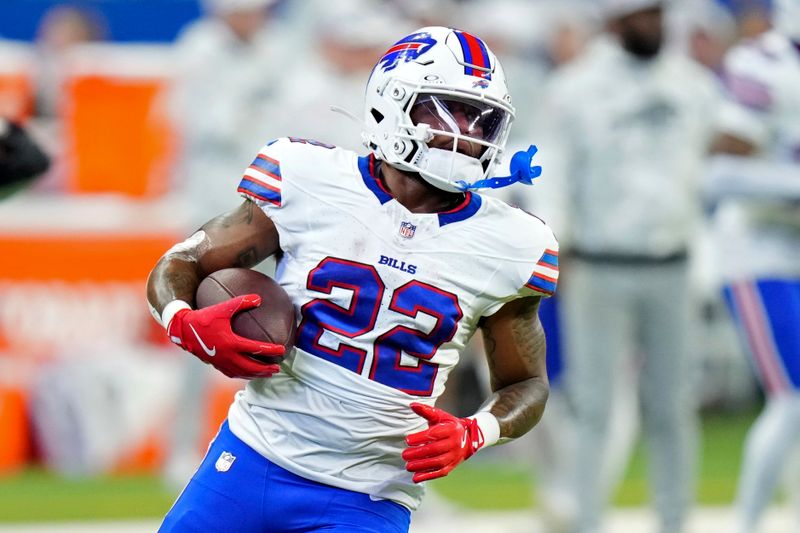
443	85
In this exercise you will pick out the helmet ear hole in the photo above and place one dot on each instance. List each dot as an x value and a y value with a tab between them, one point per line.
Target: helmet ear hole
377	115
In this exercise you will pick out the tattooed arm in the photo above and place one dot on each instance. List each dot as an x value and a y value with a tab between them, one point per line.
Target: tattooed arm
515	349
241	237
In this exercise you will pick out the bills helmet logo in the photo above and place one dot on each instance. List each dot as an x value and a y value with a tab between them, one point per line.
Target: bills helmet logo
407	49
483	84
407	230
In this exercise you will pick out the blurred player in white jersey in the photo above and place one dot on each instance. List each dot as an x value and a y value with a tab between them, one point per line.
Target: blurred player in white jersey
631	120
759	224
393	263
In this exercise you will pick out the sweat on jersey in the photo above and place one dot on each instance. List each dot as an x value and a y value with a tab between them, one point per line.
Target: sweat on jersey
385	299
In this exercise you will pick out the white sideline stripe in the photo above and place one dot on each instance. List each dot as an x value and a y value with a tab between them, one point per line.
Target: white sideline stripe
631	520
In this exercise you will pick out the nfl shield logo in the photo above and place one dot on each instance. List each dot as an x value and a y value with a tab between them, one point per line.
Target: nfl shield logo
407	230
225	461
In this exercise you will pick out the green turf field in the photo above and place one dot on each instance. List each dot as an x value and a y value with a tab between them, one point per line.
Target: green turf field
36	495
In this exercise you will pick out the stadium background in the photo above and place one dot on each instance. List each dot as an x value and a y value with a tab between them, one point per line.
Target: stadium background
77	444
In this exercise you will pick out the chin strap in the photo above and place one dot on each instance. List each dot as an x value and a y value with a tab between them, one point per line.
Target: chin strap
522	171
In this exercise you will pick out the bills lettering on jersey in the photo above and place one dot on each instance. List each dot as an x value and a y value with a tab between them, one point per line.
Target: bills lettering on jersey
399	265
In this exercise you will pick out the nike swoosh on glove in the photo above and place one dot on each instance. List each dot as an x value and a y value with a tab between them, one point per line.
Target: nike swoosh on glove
448	441
207	333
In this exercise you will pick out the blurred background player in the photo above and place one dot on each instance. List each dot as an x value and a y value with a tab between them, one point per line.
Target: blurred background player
221	101
632	141
759	237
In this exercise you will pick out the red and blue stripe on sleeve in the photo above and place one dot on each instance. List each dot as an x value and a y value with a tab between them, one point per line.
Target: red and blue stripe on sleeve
545	274
262	180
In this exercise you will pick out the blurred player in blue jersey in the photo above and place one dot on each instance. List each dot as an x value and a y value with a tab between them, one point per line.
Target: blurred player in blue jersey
759	232
393	263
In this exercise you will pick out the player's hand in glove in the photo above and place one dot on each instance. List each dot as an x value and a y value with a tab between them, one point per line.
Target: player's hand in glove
448	441
208	334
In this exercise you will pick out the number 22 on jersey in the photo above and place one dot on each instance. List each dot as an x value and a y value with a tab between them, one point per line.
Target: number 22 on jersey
359	318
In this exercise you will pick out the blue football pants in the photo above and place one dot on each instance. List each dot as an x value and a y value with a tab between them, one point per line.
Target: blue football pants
767	316
238	490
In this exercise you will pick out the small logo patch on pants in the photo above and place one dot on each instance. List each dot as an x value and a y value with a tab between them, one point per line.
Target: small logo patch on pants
225	462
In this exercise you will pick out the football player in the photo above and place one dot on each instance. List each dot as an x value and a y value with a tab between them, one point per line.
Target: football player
393	263
629	201
759	232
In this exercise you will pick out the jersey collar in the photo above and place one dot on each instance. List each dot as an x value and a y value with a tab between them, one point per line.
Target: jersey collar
464	210
366	165
468	207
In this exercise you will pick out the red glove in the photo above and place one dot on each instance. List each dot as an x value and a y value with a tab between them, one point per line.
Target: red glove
207	333
448	441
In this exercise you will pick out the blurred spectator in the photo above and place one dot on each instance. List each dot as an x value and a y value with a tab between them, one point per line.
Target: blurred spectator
230	65
631	125
753	20
421	13
758	220
712	30
61	29
347	37
20	158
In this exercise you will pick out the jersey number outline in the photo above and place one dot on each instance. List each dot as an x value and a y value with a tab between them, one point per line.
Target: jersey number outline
359	317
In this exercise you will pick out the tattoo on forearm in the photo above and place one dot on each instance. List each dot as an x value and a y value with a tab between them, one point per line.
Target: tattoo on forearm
170	280
247	258
181	282
490	346
528	336
520	405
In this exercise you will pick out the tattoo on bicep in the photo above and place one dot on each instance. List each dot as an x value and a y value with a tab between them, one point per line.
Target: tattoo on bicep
242	215
519	406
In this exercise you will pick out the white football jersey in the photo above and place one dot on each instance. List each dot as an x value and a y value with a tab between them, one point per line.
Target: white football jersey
386	300
760	234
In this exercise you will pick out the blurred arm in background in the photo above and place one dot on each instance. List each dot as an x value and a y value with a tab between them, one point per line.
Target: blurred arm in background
21	159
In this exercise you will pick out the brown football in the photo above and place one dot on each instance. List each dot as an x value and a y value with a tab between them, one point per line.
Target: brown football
273	321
